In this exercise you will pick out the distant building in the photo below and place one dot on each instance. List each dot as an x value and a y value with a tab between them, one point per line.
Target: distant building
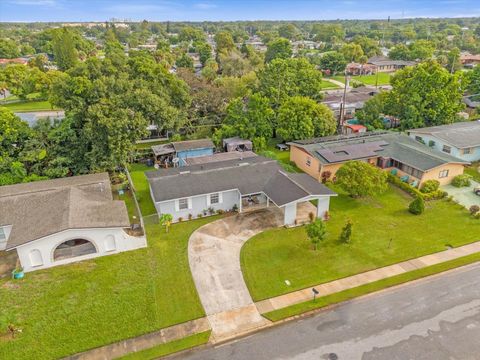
360	69
468	59
21	61
384	64
354	100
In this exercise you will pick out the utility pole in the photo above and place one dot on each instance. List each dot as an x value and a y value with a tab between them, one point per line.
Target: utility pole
342	105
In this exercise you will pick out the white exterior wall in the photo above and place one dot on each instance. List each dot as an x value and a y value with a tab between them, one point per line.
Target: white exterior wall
197	205
458	153
290	214
107	241
323	206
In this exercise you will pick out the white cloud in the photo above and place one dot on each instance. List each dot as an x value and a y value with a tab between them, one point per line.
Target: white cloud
205	6
33	2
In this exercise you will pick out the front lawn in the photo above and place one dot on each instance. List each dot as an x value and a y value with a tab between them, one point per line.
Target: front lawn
472	170
383	78
327	85
142	189
384	233
25	106
72	308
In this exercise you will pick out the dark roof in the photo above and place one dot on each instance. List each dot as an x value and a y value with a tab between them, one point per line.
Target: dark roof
193	144
461	134
341	148
355	96
383	61
163	149
224	156
248	176
43	208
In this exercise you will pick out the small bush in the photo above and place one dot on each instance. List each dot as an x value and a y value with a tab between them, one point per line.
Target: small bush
311	216
200	215
235	208
474	209
220	211
417	206
461	180
211	210
190	216
430	186
346	233
180	219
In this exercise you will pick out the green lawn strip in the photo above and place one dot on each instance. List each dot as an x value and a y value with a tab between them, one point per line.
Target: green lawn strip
323	301
282	156
326	85
25	106
142	189
130	203
473	172
76	307
170	347
383	78
384	233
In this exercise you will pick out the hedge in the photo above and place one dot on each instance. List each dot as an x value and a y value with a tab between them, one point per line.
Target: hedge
434	195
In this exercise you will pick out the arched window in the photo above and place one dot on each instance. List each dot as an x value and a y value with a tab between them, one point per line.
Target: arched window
73	248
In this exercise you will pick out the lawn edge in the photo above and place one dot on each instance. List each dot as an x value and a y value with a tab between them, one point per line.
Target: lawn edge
293	311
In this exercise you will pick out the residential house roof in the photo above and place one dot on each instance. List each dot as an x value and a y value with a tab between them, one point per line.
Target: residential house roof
193	144
463	134
248	176
355	97
42	208
338	149
385	61
231	155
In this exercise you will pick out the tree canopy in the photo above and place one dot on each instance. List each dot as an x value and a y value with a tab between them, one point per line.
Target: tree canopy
358	178
279	48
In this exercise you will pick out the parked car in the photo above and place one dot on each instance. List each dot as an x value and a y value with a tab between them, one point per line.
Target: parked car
476	190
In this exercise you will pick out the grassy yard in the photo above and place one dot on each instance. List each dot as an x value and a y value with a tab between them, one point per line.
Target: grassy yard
130	202
473	171
383	78
25	106
142	190
384	233
76	307
171	347
326	85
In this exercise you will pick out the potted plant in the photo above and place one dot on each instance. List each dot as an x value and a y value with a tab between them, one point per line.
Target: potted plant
18	273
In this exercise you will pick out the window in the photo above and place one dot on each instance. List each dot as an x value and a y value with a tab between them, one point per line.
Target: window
183	204
447	149
309	161
467	151
443	174
419	139
214	198
73	248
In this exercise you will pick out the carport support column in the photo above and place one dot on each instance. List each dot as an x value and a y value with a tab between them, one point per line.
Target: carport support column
290	214
323	206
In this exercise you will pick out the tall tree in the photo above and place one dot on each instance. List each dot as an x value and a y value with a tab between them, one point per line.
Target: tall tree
425	95
279	48
224	41
64	51
333	62
359	178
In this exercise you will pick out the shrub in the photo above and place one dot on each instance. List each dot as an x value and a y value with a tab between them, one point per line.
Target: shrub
200	215
259	143
359	178
417	206
474	209
180	219
431	143
461	180
235	208
346	233
311	216
211	210
190	216
430	186
220	211
326	176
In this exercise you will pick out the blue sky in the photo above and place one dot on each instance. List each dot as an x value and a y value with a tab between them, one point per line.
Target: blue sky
199	10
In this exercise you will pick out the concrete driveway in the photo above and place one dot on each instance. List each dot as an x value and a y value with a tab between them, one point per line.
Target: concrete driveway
464	195
214	257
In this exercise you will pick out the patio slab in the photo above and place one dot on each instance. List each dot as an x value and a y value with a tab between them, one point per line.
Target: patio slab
464	195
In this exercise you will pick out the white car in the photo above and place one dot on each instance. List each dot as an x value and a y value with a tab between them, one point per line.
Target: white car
476	190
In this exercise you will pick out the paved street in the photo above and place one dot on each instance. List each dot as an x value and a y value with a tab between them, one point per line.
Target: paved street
436	319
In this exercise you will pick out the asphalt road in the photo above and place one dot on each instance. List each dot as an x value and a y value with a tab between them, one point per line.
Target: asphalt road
436	318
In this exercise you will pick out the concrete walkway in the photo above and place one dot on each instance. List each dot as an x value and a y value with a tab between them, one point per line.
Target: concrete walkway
464	195
143	342
299	296
214	257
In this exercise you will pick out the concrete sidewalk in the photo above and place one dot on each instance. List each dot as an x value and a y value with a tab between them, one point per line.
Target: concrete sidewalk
162	336
350	282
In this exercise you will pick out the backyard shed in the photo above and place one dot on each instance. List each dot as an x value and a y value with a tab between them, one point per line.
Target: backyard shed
237	144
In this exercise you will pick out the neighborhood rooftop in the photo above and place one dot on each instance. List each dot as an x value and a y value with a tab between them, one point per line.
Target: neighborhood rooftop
43	208
336	149
249	176
461	134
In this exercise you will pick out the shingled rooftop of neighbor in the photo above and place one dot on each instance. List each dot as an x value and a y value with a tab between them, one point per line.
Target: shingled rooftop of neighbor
249	176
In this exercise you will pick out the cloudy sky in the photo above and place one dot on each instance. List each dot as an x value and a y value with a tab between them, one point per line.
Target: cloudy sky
198	10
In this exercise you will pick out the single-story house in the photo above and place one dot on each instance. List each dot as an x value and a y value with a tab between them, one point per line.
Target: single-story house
176	153
412	161
59	221
221	156
461	139
469	59
385	64
360	69
354	100
243	185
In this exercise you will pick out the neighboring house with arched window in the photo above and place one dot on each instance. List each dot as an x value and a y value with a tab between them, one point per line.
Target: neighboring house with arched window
60	221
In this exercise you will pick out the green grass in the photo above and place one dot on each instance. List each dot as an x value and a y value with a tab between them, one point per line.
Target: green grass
170	348
72	308
270	258
383	78
328	85
473	172
130	203
283	157
31	96
142	189
303	307
24	106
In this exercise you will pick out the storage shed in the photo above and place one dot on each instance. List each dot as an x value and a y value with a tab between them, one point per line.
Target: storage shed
237	144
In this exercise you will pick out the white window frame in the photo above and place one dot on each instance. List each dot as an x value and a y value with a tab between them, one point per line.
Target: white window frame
209	198
177	204
467	151
445	148
443	174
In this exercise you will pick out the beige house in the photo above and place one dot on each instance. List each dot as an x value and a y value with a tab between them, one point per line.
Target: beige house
411	160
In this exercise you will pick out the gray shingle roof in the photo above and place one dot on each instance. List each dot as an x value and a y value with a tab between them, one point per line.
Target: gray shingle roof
193	144
337	149
461	135
46	207
252	175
